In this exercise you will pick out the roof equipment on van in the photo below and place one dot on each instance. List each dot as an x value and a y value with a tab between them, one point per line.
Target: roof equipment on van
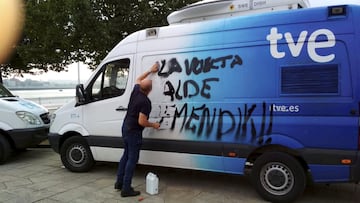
213	9
337	11
152	33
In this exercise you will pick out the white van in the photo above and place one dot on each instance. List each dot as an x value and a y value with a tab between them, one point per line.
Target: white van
264	88
23	123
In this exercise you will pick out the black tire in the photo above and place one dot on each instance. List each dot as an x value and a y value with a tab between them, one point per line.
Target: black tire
5	149
76	155
278	177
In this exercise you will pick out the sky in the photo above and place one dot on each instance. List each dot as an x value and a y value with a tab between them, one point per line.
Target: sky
70	74
85	72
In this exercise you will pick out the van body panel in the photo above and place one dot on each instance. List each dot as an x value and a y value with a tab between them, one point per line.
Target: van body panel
5	126
125	47
112	122
69	119
11	105
73	127
329	173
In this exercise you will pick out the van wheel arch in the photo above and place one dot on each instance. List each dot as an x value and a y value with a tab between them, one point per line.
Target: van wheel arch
7	136
5	148
66	136
76	155
276	148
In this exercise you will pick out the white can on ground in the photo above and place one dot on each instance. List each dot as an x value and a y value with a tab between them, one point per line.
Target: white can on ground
152	184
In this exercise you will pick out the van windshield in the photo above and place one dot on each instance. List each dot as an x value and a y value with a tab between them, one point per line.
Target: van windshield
5	92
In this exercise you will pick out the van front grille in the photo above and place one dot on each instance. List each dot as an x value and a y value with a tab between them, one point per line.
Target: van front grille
45	118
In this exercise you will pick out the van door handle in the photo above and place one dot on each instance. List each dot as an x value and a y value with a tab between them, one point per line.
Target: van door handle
121	108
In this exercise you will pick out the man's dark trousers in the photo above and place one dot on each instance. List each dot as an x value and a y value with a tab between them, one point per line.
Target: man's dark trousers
132	145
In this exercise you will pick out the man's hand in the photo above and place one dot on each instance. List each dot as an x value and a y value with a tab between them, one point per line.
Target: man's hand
155	68
143	121
156	125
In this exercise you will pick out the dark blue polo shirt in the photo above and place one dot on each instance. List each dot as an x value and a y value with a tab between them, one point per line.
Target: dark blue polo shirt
139	102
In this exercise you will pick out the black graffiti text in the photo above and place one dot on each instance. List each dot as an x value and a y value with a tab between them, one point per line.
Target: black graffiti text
189	89
203	121
197	66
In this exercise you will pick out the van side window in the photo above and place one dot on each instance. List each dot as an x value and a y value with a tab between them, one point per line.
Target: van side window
112	80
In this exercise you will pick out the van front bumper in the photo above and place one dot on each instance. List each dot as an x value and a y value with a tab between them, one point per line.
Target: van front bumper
326	165
54	140
355	170
29	137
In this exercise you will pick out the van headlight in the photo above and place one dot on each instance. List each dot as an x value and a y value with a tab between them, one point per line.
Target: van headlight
52	117
28	117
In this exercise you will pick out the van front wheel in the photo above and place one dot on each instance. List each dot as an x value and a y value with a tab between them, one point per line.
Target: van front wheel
76	155
278	177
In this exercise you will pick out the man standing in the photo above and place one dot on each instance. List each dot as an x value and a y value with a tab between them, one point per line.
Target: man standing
135	121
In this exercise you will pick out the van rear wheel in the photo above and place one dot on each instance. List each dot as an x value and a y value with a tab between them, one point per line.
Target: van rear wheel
76	155
5	149
278	177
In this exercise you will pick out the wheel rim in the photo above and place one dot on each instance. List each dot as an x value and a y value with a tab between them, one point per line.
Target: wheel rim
276	178
77	155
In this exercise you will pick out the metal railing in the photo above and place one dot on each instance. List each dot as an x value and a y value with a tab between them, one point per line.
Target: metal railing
51	103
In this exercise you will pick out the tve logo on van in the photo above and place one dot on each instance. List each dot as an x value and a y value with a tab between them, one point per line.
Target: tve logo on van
297	46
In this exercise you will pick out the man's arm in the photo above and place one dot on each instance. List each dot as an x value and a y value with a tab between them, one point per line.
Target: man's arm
154	68
143	121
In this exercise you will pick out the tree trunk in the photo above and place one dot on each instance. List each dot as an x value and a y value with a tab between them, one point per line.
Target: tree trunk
1	77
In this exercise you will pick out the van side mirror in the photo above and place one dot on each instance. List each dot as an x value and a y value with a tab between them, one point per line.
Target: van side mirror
80	95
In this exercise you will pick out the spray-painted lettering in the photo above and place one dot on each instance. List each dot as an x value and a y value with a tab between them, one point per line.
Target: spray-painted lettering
197	66
205	121
189	89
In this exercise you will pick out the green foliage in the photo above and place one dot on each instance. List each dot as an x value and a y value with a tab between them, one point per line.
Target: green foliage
60	32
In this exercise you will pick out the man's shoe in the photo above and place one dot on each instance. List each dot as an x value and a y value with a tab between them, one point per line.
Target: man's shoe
130	193
118	186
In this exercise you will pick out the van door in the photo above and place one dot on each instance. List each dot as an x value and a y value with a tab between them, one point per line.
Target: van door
108	93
